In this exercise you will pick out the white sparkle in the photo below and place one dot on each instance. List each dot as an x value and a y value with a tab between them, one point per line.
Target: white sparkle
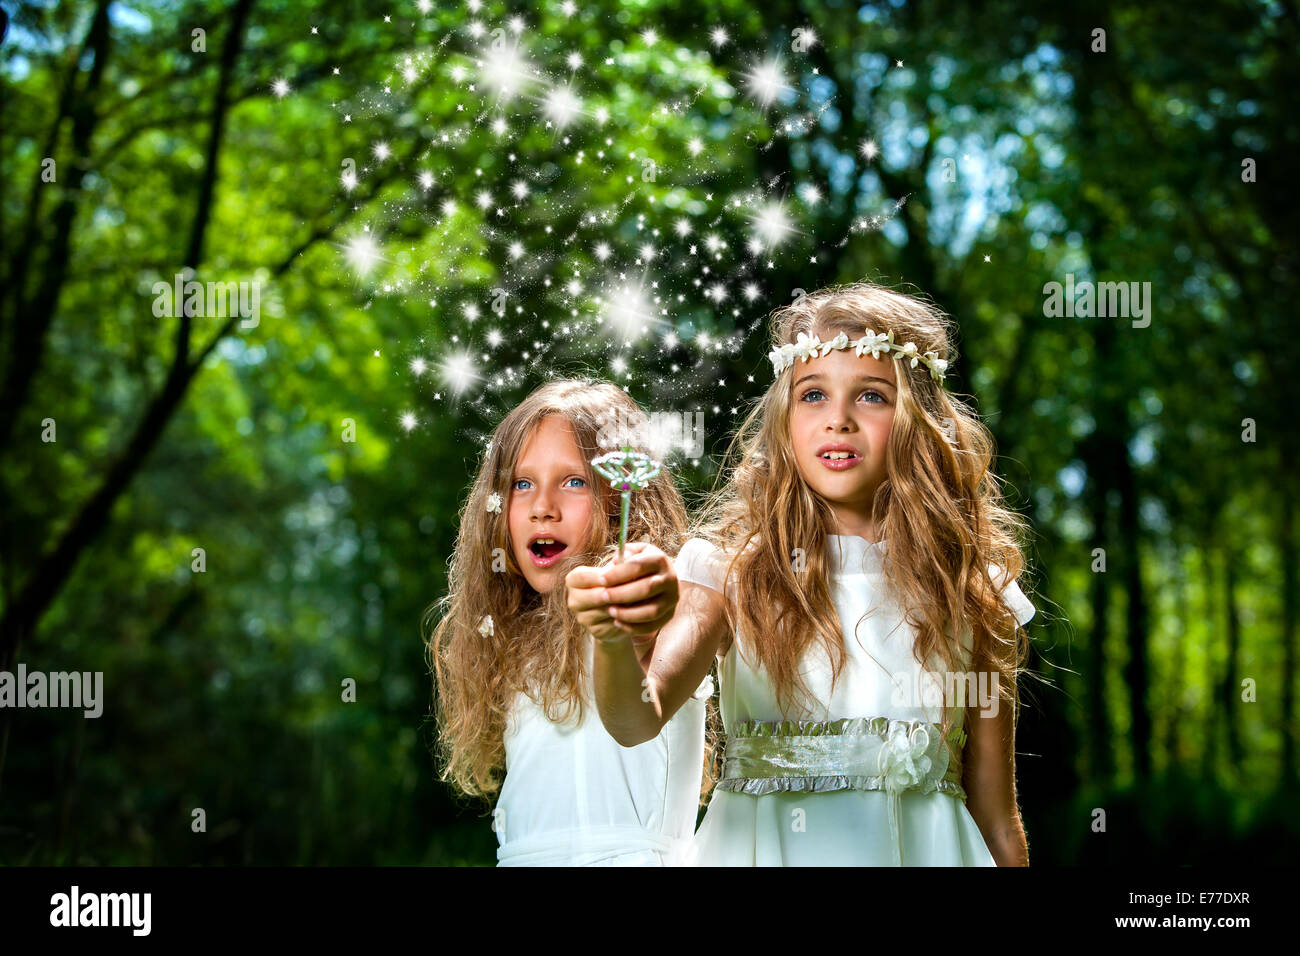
362	252
505	70
767	81
772	223
459	372
629	311
562	106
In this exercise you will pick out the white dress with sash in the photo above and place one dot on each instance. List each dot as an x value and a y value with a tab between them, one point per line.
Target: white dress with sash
861	777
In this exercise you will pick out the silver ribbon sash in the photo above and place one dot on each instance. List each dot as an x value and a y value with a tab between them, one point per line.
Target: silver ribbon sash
859	753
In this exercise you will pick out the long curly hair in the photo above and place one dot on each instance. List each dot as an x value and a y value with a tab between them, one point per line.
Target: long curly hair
940	510
536	645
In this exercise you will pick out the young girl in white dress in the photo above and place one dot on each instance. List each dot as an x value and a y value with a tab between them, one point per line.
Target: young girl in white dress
860	529
512	665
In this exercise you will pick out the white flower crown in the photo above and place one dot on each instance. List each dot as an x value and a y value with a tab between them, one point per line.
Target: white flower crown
810	346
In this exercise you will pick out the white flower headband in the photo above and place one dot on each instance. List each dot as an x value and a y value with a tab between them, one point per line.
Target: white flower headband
810	346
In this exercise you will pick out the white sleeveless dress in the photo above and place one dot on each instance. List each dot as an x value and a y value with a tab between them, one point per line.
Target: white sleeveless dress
574	796
862	778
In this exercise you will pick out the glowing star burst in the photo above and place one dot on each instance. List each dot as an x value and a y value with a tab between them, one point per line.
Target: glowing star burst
362	252
767	81
505	70
409	421
281	88
869	149
772	225
561	106
629	312
458	372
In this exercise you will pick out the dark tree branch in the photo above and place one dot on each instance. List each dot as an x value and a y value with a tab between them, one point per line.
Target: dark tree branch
96	34
31	319
44	583
21	617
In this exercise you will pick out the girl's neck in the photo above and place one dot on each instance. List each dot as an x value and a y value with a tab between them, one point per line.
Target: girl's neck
855	526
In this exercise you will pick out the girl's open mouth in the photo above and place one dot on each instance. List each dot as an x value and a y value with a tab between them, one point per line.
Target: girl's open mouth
839	461
546	551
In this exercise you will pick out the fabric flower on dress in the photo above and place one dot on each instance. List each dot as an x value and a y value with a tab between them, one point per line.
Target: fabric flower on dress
494	503
486	627
705	690
903	761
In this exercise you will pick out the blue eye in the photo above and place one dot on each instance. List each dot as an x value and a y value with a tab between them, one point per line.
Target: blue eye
525	481
817	391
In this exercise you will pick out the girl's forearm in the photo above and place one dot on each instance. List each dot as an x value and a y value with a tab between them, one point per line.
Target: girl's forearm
621	694
1009	846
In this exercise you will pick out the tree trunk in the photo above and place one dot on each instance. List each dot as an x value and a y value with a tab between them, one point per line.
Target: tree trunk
1286	547
1101	763
1231	695
1136	671
1177	671
32	318
1210	755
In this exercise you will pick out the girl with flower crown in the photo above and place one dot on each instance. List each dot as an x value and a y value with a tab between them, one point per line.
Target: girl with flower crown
512	664
855	582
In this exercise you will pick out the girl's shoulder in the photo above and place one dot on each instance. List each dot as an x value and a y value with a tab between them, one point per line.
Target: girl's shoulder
1012	595
700	561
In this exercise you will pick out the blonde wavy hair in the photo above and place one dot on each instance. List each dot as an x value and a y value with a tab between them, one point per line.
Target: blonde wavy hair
940	509
537	645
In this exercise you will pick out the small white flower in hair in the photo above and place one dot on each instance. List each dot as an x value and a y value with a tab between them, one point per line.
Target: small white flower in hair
486	627
871	343
807	346
840	341
494	503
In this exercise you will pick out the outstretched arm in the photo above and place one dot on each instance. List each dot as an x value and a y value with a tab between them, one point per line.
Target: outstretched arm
636	698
